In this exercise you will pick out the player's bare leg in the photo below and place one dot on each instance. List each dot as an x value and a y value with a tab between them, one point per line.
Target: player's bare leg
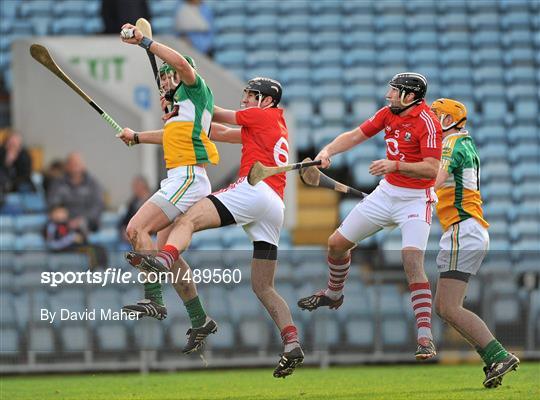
202	215
262	283
413	263
148	219
449	306
339	261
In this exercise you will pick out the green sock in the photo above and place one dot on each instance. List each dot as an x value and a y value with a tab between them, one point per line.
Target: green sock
153	292
482	354
196	312
494	352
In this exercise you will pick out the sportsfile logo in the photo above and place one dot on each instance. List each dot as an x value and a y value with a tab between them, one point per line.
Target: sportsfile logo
117	276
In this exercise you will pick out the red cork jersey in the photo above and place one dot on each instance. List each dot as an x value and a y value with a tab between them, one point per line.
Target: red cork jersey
410	139
264	139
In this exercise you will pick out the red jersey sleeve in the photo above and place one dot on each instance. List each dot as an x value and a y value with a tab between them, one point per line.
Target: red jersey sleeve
376	123
431	139
250	116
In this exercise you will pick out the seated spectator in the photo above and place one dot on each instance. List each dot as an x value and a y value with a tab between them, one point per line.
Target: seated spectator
116	13
79	192
195	22
140	193
61	233
15	166
53	173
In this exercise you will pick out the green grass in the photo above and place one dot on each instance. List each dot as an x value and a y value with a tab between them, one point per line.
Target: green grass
411	382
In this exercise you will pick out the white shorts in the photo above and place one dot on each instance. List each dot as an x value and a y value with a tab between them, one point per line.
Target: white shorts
390	206
463	247
258	209
182	188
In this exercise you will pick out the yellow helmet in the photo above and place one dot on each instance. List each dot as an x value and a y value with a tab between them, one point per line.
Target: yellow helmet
457	110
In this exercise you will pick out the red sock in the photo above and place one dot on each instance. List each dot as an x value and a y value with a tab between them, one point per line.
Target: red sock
337	271
289	334
168	255
421	303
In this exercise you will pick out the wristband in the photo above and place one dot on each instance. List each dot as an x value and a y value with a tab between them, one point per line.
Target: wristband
397	164
136	138
145	43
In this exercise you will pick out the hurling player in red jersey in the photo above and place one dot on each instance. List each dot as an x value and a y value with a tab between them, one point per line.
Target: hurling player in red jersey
403	199
258	209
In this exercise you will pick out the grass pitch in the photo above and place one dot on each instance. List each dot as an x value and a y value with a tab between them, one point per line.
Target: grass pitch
410	382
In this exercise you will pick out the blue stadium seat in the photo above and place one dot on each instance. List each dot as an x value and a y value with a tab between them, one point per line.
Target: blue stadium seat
160	8
34	203
325	330
524	135
260	7
454	39
484	21
110	219
487	56
7	241
227	23
358	40
520	74
363	109
75	338
359	57
497	171
30	241
41	339
70	25
422	39
30	223
112	336
395	331
526	110
360	332
217	302
332	109
68	262
482	6
515	20
149	335
329	40
71	298
225	338
295	40
396	39
506	310
522	37
455	19
457	57
254	333
522	91
104	298
326	72
519	56
231	58
66	8
526	171
9	340
293	22
261	23
325	22
232	40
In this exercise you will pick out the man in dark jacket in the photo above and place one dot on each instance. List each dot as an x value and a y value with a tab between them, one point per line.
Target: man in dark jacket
79	192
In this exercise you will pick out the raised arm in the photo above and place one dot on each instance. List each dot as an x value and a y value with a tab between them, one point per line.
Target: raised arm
224	116
222	133
342	143
170	56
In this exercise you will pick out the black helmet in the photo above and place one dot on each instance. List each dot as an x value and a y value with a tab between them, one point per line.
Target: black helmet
265	87
410	82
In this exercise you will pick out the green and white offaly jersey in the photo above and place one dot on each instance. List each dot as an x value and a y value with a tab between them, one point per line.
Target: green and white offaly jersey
459	196
185	136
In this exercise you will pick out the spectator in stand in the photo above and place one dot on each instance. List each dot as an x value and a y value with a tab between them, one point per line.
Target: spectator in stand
54	172
116	13
79	192
15	165
61	234
140	193
195	22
